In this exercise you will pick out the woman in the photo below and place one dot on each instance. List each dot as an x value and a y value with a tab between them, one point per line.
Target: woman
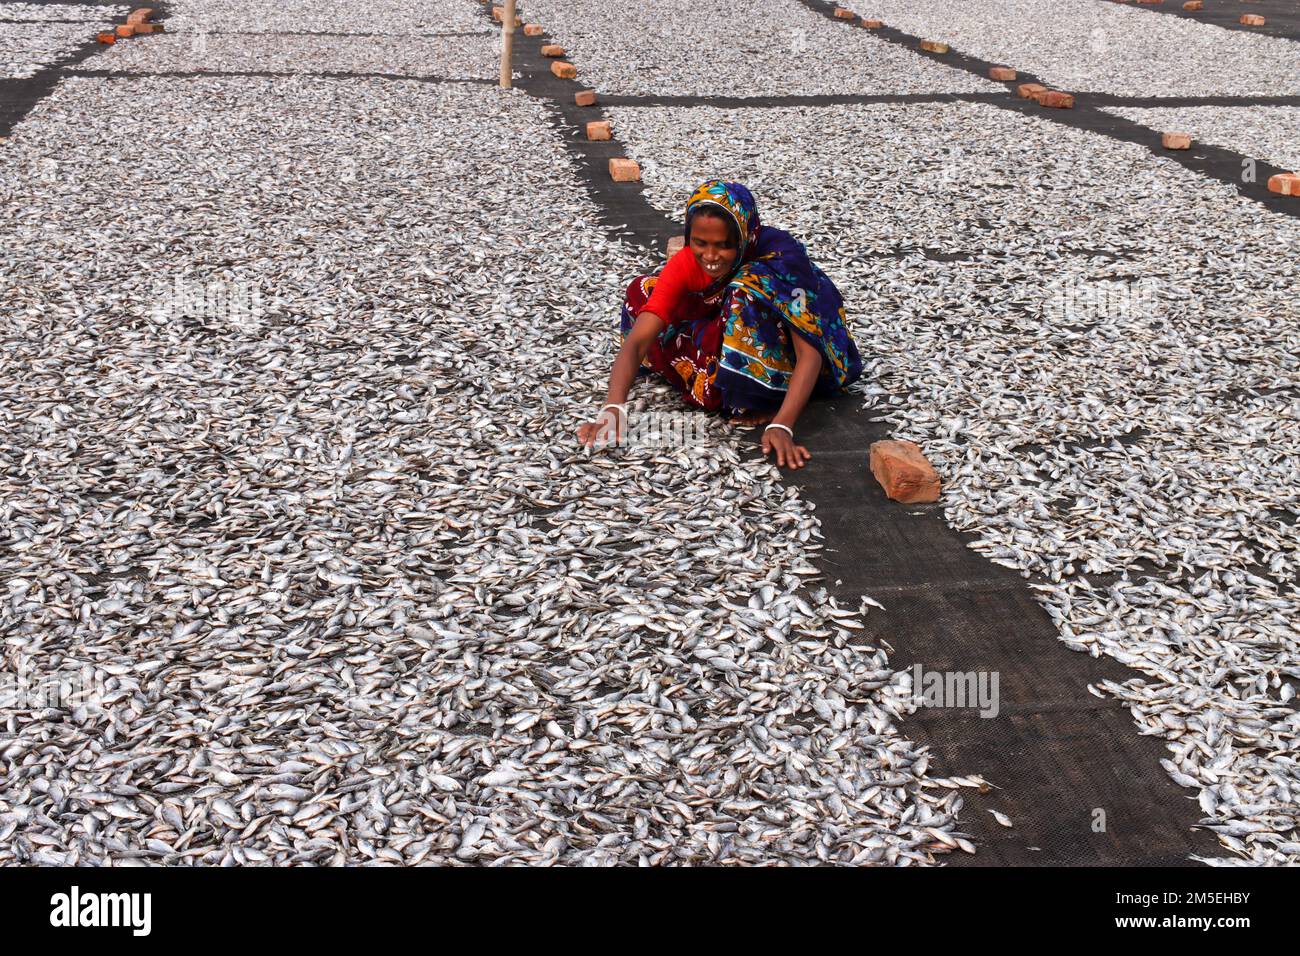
739	321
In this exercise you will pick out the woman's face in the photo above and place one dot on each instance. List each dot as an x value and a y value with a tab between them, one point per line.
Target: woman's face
711	246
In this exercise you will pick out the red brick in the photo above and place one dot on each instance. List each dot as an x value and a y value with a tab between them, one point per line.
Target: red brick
148	28
565	71
126	31
1002	73
1030	91
552	49
140	14
599	129
1252	20
1176	140
1055	99
585	98
903	471
1193	5
843	14
533	30
624	170
872	24
1288	184
109	38
675	245
934	46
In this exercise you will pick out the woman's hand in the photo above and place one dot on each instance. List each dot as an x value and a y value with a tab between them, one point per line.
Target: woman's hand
788	454
611	424
780	437
608	428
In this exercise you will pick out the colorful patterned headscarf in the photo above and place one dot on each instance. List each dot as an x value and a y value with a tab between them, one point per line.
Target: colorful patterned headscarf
737	203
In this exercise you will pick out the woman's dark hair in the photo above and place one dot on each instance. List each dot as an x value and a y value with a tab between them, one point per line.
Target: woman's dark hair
711	212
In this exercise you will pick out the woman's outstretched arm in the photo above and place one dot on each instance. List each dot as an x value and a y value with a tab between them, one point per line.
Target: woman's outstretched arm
609	424
807	366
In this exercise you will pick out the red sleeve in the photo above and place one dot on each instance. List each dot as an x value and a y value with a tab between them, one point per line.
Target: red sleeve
678	277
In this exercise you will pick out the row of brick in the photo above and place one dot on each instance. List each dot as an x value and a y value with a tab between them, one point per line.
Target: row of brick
621	169
1287	184
1247	19
625	170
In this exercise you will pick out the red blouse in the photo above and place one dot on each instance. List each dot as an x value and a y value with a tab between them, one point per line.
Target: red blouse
681	274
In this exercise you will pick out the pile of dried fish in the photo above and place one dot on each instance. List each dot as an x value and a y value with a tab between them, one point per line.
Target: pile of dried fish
42	12
405	17
460	57
28	48
302	563
290	491
1102	47
1097	348
666	47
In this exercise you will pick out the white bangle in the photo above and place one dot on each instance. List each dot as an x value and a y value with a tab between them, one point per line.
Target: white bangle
621	408
784	428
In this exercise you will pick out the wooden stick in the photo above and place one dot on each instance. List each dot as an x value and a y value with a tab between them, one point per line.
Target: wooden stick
507	43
